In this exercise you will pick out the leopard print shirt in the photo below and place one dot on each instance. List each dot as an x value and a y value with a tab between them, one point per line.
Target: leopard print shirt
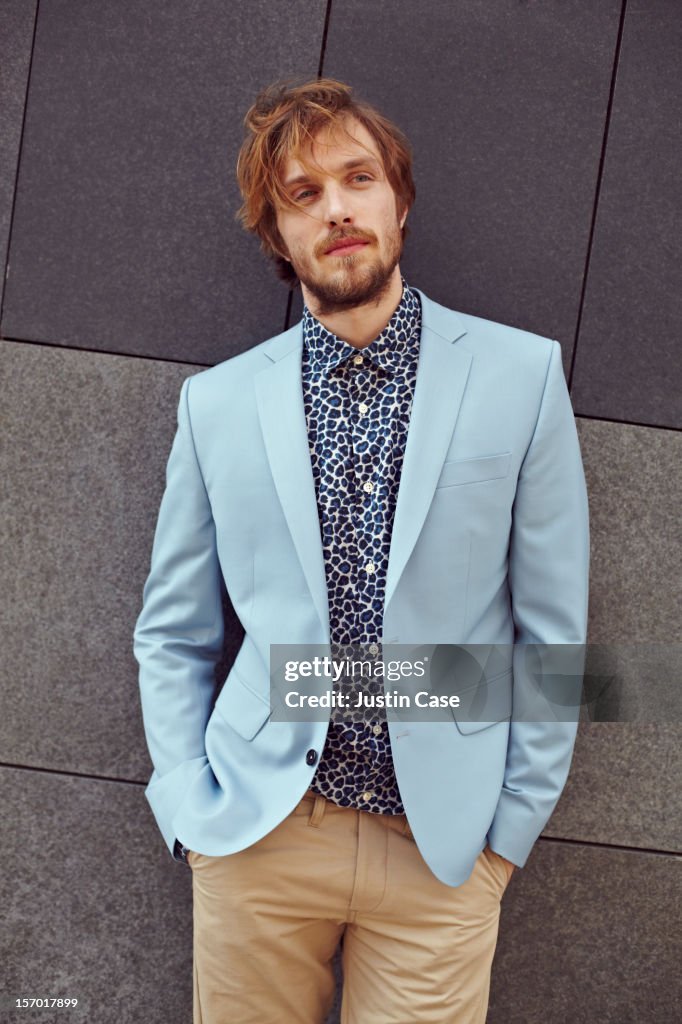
357	405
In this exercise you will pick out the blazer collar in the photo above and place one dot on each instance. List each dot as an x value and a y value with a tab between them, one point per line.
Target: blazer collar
439	319
393	349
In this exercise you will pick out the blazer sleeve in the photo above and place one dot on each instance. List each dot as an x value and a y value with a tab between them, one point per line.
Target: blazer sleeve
178	636
548	579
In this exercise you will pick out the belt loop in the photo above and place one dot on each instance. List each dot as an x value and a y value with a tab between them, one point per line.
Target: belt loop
317	813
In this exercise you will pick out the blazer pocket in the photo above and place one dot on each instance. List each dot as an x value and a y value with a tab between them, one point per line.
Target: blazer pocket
486	704
473	471
241	707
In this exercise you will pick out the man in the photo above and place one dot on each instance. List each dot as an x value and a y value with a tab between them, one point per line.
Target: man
387	471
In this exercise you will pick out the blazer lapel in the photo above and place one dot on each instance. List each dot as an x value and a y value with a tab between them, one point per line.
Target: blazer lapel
279	394
442	373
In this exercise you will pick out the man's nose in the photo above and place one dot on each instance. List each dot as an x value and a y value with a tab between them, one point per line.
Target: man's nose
337	205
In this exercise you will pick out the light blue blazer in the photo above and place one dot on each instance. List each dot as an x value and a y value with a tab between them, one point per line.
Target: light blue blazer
490	545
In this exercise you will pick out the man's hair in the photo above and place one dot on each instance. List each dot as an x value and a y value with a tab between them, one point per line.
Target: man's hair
282	123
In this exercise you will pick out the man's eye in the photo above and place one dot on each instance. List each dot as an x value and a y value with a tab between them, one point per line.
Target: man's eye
302	195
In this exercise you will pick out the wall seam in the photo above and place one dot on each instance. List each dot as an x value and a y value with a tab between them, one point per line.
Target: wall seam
5	274
597	192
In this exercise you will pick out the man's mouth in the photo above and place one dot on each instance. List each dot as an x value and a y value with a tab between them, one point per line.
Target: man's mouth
346	247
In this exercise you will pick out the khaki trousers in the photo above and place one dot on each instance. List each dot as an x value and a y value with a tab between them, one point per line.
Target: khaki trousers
267	922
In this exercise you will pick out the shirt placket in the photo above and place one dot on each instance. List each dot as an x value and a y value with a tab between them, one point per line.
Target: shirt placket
371	450
365	439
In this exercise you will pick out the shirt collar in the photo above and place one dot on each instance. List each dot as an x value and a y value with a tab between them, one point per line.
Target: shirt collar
390	349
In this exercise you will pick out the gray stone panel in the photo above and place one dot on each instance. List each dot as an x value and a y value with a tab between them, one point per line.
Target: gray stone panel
628	363
635	495
87	436
93	905
505	106
623	787
18	17
589	934
125	238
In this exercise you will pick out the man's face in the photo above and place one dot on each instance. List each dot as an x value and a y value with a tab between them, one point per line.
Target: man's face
336	202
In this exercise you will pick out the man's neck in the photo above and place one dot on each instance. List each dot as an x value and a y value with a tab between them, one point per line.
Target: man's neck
362	324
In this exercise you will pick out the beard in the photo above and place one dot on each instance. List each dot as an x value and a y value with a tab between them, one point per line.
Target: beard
359	279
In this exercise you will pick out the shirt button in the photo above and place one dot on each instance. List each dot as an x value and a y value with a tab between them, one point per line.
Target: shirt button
357	360
376	729
373	649
368	486
311	757
369	567
363	408
367	795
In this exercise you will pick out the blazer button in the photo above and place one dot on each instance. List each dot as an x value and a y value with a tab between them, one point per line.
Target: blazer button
311	757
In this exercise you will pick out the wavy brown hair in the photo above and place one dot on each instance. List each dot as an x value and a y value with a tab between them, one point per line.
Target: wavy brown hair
282	123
